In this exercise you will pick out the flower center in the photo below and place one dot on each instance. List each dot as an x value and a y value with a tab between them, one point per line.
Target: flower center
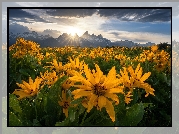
65	105
99	90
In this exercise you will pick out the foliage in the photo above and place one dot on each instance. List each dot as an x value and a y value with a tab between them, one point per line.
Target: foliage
138	79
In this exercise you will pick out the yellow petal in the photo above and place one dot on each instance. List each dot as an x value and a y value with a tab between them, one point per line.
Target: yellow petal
130	69
110	110
112	74
22	86
111	84
81	94
91	102
98	74
89	75
139	74
21	94
114	97
117	90
83	87
101	101
137	69
65	111
30	81
145	76
26	84
60	103
64	95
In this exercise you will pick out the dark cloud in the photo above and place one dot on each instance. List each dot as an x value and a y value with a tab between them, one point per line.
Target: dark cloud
142	15
19	15
116	34
71	12
17	28
174	5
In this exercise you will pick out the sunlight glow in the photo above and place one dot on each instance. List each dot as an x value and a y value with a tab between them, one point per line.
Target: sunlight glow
73	31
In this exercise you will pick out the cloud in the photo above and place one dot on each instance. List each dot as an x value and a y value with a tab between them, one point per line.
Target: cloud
138	37
71	12
174	5
131	26
17	28
19	15
141	15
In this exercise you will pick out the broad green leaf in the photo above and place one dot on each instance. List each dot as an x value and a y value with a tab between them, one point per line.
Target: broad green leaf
14	103
14	120
72	114
133	115
24	72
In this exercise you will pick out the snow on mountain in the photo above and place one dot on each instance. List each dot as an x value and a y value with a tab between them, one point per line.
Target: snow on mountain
86	40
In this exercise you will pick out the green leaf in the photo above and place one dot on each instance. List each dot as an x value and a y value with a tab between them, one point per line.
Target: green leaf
77	101
14	120
14	103
72	114
133	115
24	72
63	123
147	104
81	109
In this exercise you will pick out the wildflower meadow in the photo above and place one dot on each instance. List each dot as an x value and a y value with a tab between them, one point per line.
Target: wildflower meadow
89	86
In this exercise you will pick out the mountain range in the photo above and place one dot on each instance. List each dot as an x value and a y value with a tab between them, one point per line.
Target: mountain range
86	40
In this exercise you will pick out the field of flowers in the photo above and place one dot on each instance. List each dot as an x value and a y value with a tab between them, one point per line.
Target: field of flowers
74	86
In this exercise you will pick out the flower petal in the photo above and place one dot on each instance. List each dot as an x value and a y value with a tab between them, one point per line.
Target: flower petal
110	110
91	102
101	101
81	94
145	76
117	90
21	93
114	97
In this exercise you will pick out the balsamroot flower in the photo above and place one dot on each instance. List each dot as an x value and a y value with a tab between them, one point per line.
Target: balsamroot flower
65	103
136	79
28	89
98	89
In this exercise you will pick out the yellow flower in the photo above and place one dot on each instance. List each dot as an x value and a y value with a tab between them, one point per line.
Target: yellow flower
127	97
138	79
137	74
98	89
67	84
28	89
49	78
154	48
58	66
65	103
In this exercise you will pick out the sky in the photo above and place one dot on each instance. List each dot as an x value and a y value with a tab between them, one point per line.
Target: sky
137	25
